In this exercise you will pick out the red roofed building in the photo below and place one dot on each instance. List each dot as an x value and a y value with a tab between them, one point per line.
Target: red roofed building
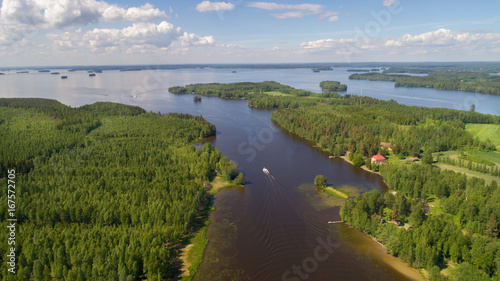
378	159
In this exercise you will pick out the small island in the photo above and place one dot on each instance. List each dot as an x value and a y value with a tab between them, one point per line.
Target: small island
332	86
197	98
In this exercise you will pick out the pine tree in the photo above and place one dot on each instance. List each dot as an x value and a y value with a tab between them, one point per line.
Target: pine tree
492	227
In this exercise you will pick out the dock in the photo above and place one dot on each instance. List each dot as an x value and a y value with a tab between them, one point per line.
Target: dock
335	221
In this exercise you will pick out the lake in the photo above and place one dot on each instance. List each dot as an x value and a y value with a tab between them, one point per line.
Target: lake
270	229
146	88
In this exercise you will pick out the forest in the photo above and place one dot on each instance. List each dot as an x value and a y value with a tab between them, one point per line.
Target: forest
104	191
468	81
459	231
452	219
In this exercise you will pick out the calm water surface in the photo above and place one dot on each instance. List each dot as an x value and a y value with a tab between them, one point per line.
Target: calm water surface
265	230
143	87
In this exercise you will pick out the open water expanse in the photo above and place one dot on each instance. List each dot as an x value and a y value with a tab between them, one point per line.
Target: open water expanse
271	229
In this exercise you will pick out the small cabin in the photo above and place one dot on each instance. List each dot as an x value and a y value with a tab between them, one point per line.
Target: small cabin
378	159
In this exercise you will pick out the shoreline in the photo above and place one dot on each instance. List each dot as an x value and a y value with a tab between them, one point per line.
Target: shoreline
362	167
191	259
394	263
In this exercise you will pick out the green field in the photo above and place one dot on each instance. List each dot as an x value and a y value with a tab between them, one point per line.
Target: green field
469	173
275	93
435	206
336	192
486	131
493	156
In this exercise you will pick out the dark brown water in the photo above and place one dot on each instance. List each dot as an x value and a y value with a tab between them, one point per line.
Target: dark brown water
267	230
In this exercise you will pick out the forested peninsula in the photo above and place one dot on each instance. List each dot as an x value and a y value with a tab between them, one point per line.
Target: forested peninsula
468	81
104	191
436	219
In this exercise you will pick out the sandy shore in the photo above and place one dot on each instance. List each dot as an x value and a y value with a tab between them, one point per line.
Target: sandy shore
362	167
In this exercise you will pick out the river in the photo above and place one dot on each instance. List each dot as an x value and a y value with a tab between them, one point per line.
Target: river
269	229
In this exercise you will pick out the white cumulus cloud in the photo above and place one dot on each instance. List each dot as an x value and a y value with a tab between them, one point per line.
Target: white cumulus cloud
191	39
148	35
207	6
21	17
134	14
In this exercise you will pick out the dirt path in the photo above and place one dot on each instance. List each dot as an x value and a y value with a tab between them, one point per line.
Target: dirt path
185	263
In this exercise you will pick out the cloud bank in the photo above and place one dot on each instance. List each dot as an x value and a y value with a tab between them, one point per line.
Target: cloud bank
19	18
425	46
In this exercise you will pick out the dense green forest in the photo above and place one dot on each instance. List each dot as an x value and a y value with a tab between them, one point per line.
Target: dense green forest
332	86
468	81
461	231
104	191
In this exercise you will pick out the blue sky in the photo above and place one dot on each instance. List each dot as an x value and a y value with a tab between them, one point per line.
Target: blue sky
78	32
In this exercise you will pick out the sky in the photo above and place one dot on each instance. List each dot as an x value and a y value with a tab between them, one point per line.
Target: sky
91	32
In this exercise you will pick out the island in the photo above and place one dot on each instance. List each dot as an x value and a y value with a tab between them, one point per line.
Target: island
455	80
332	86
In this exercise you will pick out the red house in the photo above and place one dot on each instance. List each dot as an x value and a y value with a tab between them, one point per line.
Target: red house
378	159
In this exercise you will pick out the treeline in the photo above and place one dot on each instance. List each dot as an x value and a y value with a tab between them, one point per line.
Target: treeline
465	233
111	203
255	93
477	82
359	124
332	86
407	70
338	128
469	164
244	90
